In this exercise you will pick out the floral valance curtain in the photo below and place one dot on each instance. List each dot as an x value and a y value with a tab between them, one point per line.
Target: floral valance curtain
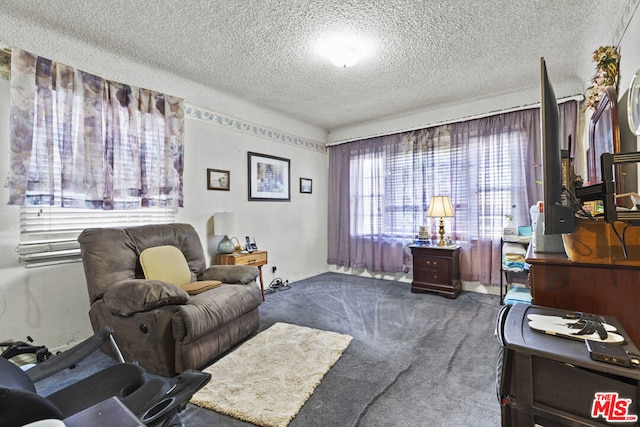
80	141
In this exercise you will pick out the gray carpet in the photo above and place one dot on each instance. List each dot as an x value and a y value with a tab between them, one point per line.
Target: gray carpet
416	360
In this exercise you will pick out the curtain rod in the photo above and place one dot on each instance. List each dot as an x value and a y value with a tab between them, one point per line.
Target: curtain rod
462	119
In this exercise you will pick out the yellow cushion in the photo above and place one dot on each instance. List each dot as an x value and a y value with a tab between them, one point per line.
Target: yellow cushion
166	263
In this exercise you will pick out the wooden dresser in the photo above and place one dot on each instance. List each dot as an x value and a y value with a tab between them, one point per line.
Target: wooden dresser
436	269
593	288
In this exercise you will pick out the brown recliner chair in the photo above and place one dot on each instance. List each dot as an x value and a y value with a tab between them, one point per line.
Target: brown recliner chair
157	323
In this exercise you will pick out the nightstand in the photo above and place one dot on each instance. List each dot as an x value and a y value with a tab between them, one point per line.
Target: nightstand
436	269
255	258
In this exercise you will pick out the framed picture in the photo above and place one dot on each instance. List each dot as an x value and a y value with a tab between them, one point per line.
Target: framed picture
218	179
305	185
269	178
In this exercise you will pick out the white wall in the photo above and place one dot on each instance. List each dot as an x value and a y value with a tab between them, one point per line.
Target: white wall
50	303
294	233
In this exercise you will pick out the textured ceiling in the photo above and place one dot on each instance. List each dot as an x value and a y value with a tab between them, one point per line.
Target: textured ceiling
423	54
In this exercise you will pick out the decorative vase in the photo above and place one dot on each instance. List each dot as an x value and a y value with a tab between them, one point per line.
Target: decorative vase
212	244
226	246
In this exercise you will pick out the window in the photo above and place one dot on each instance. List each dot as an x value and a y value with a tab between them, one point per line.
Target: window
86	152
48	235
497	182
486	166
49	231
391	187
370	196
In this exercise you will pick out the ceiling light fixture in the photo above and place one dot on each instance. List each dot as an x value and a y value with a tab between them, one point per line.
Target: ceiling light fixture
345	56
343	51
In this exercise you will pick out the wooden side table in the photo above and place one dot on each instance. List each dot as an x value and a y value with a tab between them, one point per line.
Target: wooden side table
436	269
255	258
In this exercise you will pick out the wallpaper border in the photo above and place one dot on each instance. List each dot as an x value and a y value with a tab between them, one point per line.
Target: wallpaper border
222	120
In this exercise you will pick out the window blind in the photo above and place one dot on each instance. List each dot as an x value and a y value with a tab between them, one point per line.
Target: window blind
49	235
391	186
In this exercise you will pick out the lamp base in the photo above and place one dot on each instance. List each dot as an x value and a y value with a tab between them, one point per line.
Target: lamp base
226	246
441	242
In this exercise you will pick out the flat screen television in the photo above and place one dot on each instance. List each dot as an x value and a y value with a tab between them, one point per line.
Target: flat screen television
559	212
561	199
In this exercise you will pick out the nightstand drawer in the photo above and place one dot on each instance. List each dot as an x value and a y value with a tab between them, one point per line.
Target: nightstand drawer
439	277
257	258
435	263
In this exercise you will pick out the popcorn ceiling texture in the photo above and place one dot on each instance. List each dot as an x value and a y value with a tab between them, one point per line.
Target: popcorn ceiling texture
424	54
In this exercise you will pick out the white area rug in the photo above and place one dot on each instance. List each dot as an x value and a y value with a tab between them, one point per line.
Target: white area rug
267	379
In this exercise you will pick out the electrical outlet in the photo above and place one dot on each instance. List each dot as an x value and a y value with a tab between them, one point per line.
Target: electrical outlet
273	269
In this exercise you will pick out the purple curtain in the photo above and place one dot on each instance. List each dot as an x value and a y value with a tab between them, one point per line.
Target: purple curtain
503	151
359	235
380	189
81	141
379	192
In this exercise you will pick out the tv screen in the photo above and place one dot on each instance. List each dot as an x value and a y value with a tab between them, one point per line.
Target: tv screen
559	214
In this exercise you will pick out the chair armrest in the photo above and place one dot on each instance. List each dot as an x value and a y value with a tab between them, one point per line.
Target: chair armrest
136	295
230	273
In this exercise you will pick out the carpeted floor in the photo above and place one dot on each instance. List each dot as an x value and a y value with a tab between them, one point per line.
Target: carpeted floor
415	359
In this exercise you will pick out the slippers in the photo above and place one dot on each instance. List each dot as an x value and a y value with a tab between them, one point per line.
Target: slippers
590	331
577	322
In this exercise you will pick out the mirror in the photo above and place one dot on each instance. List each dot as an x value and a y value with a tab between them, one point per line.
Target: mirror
604	137
628	144
633	104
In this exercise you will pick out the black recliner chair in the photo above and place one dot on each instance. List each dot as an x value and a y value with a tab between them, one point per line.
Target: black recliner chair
154	400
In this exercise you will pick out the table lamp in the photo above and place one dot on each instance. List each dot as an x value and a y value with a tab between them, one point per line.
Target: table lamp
440	207
224	224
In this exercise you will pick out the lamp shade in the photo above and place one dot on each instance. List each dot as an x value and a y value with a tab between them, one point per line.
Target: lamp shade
440	207
224	223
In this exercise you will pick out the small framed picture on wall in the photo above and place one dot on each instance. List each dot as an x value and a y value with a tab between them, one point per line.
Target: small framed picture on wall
306	185
218	179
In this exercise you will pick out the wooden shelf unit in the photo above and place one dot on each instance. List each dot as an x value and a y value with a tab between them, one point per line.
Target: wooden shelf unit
608	290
